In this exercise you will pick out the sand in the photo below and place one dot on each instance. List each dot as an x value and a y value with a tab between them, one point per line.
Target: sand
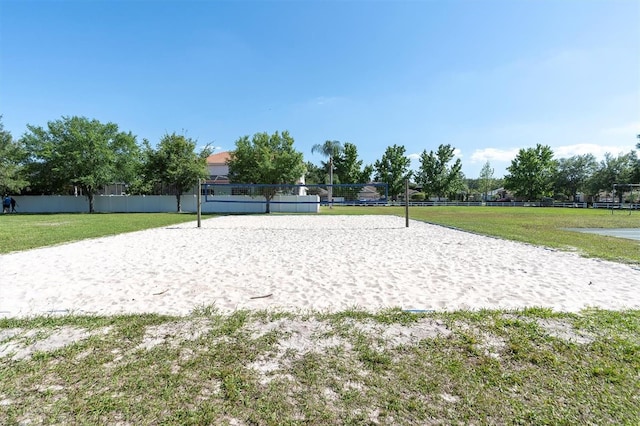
326	263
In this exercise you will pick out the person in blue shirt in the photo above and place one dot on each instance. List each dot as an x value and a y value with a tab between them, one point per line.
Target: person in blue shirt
6	204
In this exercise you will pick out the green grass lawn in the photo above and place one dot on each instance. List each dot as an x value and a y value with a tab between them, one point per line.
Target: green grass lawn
534	225
23	232
354	367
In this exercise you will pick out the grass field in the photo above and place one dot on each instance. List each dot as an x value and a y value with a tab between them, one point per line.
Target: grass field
361	368
22	232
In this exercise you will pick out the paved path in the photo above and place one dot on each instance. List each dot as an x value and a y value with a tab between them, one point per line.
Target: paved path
629	233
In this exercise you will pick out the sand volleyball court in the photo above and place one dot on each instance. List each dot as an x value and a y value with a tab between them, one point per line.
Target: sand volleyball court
305	262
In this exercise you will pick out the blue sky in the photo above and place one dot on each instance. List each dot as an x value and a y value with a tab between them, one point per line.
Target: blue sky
487	77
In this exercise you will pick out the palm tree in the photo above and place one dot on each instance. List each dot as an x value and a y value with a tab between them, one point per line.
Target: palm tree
329	149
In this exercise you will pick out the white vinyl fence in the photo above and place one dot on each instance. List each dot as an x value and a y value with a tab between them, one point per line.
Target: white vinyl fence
164	204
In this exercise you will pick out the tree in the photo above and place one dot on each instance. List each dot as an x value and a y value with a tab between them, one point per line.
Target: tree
612	170
329	149
436	176
472	187
635	175
531	173
572	174
486	180
176	163
12	156
393	169
266	159
80	152
365	174
314	174
347	166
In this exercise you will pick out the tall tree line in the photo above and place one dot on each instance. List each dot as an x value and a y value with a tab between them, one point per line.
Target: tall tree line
87	154
77	152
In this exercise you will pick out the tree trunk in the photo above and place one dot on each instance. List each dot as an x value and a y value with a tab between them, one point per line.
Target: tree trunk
178	196
330	194
268	207
90	197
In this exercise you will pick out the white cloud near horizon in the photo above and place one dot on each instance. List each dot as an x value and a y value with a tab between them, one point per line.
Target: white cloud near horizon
415	158
598	151
565	151
494	154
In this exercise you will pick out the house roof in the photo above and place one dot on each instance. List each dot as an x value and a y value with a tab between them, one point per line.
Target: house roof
220	158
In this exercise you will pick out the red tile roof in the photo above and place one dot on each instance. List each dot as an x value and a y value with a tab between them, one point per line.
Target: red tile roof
219	158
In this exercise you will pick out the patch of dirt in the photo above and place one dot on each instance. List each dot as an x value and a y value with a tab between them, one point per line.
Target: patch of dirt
449	398
565	331
174	333
21	345
491	345
400	335
300	337
8	333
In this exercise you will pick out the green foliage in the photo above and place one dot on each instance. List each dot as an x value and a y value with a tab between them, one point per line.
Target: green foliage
12	156
486	179
573	173
613	170
266	159
418	196
81	152
436	176
347	166
176	163
531	173
635	172
483	367
393	169
365	175
314	174
331	150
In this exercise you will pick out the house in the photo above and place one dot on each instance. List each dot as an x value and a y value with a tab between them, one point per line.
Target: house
217	165
218	168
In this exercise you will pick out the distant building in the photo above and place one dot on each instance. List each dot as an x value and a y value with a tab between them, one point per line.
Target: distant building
218	167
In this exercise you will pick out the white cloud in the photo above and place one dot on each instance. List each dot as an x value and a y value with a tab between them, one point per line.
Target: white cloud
587	148
415	161
506	155
415	158
493	154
